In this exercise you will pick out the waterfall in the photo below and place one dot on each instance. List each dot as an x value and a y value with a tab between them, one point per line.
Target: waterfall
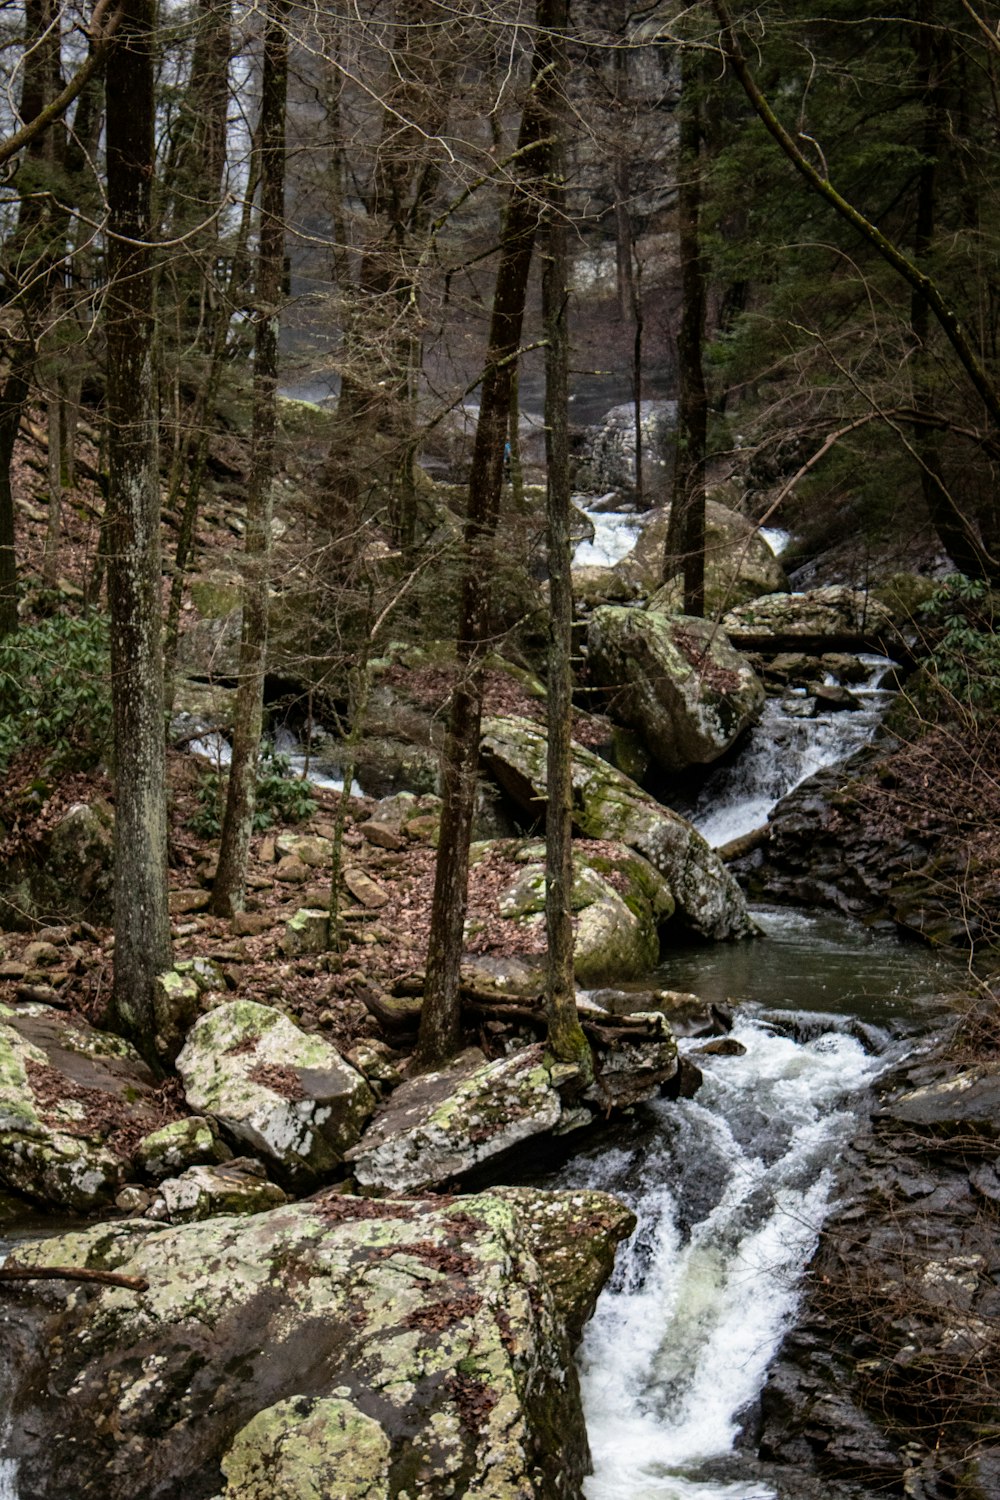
783	751
730	1193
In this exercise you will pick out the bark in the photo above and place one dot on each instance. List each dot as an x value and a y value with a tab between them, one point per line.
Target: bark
566	1040
440	1025
132	536
230	881
684	551
13	395
103	24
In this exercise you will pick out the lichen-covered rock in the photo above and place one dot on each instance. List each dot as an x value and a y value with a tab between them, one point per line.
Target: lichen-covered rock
287	1095
205	1192
442	1124
65	874
608	806
620	904
178	1000
827	619
190	1142
608	460
308	931
334	1348
64	1087
676	680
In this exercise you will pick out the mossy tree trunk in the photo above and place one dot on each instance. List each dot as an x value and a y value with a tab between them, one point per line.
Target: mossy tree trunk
440	1023
567	1042
230	881
684	551
132	536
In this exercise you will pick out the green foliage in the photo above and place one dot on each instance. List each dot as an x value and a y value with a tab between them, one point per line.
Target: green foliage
960	618
281	797
55	691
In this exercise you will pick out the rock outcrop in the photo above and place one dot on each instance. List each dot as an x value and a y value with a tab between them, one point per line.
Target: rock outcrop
608	806
836	618
676	680
335	1347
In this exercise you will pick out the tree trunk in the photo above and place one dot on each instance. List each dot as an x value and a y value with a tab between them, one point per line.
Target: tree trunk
12	398
440	1029
684	551
567	1042
132	532
230	880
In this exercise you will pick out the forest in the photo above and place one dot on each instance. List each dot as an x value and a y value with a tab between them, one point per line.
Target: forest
500	797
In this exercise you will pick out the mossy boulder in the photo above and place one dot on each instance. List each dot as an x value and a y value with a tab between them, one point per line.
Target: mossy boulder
676	680
190	1142
620	904
287	1095
64	1090
337	1347
65	874
610	807
836	618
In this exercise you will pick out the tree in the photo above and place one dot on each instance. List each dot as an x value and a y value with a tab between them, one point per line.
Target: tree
132	535
440	1021
567	1042
230	880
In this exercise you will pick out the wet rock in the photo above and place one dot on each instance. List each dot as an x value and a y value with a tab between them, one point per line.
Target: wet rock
608	806
63	1089
676	680
287	1095
324	1348
832	699
968	1101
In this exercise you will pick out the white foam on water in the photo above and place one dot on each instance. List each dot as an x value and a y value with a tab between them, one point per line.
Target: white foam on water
615	534
680	1344
775	538
782	752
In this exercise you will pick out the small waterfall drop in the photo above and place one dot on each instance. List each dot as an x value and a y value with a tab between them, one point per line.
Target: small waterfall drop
730	1193
615	534
783	750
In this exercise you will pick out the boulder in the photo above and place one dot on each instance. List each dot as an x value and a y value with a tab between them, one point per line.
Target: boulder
336	1347
287	1095
676	680
607	459
64	1090
836	618
610	807
192	1141
619	901
65	874
442	1124
205	1192
739	566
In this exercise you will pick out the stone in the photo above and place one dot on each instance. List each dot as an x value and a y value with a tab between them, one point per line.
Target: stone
620	905
65	874
173	1148
63	1088
133	1199
202	1192
252	923
308	931
424	827
968	1101
608	460
183	902
287	1095
835	618
382	835
311	849
315	1348
40	955
676	680
831	698
610	807
739	564
291	871
364	889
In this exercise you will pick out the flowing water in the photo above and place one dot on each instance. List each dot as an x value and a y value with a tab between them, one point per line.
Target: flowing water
730	1189
783	750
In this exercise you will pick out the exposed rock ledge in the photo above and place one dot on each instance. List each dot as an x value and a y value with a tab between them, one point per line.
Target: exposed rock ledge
333	1347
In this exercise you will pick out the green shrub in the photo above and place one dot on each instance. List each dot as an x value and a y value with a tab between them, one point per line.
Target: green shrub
55	691
960	621
282	797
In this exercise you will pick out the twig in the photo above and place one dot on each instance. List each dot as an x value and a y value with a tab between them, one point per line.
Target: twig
71	1273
